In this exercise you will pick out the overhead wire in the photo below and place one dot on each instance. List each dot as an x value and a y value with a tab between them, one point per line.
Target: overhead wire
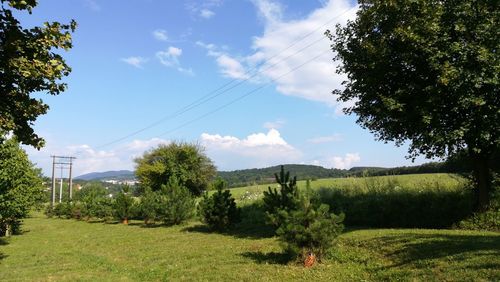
221	90
243	96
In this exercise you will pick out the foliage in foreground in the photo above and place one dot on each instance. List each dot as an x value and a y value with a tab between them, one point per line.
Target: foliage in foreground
310	229
426	73
219	210
304	225
28	64
20	186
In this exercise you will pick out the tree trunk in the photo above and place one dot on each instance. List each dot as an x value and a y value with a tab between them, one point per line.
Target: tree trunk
482	178
8	228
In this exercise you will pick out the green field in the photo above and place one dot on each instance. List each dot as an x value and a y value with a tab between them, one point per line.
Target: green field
412	181
69	250
57	249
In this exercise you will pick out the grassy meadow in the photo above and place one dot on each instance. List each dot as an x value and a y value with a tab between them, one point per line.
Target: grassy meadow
52	249
429	181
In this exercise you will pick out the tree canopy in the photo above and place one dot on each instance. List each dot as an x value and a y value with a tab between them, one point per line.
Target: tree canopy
29	64
186	162
426	72
20	185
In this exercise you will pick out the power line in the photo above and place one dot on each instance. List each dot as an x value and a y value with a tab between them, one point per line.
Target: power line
243	96
213	94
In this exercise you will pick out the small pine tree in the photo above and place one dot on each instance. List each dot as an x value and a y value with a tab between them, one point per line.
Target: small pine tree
95	203
176	204
219	210
124	205
284	199
308	231
62	210
149	205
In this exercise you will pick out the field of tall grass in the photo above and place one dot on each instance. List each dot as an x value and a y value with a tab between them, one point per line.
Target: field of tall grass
405	201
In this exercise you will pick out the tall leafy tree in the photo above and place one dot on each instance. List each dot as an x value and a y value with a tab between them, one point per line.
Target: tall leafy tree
186	162
427	72
28	64
20	186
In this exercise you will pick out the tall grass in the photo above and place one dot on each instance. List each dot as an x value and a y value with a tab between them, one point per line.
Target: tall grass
392	201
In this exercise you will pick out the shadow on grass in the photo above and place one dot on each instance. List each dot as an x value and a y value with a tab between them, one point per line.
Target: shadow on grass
251	226
3	242
267	258
238	231
414	249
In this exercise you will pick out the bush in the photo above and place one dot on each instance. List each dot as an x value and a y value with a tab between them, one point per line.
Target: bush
488	220
95	203
62	210
284	199
175	203
309	230
485	221
219	210
124	205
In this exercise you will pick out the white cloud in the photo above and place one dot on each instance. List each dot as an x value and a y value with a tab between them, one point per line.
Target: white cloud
92	5
283	46
230	67
160	34
170	58
315	80
206	13
203	9
270	11
325	139
345	162
274	124
137	62
256	150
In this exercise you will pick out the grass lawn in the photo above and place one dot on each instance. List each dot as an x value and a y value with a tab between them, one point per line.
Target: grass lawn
58	249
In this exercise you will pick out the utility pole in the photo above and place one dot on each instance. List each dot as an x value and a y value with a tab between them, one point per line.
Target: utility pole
61	185
70	180
53	191
64	162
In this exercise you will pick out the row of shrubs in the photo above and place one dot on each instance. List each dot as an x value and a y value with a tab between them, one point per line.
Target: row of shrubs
171	205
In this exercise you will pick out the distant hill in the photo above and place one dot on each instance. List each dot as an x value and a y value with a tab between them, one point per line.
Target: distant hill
114	174
266	175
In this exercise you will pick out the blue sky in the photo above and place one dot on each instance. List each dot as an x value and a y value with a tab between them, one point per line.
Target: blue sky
136	64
